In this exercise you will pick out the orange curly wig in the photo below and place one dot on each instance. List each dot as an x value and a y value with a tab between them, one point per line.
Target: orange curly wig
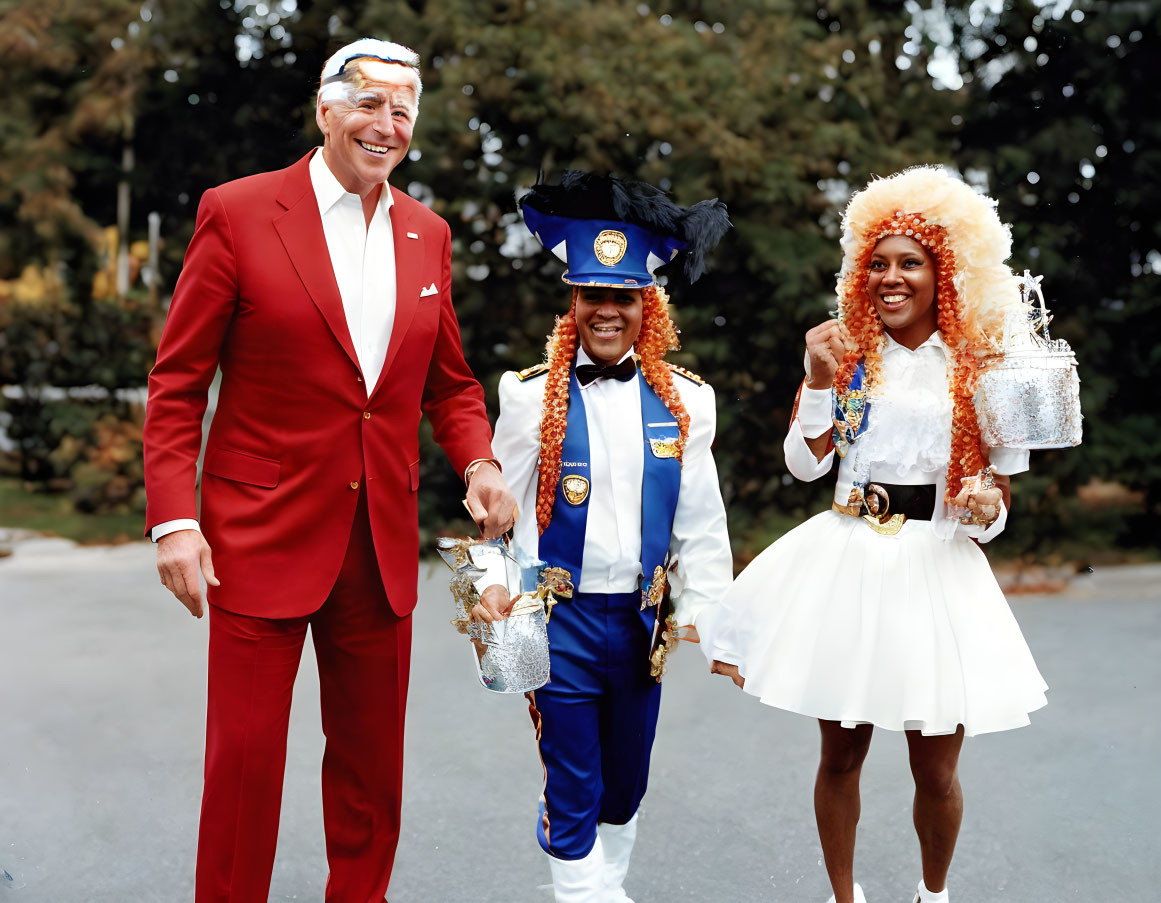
658	336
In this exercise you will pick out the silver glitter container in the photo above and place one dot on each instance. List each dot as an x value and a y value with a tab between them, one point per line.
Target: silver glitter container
1028	395
511	656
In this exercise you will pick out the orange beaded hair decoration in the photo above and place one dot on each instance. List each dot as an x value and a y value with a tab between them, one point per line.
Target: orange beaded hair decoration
866	329
657	337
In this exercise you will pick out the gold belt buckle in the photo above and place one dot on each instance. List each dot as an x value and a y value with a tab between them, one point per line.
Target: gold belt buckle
878	502
888	527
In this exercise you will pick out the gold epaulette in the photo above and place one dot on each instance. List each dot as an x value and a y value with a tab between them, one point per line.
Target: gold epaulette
530	372
688	374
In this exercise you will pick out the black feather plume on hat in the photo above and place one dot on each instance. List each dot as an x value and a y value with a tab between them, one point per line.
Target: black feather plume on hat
586	195
704	224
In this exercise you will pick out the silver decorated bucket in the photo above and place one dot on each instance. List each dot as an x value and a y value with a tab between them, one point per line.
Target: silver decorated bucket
511	656
1028	395
1030	399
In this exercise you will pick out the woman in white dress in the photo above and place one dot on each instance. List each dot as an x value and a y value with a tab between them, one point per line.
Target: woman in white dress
883	611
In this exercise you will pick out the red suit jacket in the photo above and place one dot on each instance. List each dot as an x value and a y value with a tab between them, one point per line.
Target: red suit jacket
295	437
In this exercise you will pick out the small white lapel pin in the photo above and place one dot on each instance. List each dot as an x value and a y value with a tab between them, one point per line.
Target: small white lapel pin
430	290
412	235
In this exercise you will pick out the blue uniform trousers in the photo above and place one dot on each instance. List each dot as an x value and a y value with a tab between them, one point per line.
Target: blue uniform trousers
595	719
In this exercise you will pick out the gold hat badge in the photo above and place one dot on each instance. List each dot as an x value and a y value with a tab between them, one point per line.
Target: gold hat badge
610	246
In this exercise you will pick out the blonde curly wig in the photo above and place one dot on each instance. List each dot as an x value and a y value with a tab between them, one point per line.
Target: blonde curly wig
986	287
961	231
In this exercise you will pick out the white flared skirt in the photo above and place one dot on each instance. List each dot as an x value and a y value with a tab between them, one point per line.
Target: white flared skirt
905	632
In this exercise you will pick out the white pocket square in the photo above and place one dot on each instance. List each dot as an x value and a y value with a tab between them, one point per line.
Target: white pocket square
429	291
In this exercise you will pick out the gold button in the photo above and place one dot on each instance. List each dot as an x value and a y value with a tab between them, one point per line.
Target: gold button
366	415
354	484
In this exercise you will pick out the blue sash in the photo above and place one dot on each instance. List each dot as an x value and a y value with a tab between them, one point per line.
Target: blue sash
562	542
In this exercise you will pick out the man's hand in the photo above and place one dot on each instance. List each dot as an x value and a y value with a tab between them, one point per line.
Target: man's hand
730	671
181	558
490	502
494	605
826	345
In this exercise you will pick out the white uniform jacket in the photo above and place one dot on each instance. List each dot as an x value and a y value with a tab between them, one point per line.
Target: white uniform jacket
699	542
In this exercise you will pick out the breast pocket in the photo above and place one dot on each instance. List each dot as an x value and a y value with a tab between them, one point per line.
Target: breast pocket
242	467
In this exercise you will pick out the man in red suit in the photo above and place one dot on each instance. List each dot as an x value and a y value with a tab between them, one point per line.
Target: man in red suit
325	297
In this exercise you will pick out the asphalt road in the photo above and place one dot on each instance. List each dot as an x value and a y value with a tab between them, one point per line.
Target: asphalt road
102	691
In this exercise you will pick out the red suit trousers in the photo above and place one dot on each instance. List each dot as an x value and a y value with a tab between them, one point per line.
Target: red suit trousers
364	656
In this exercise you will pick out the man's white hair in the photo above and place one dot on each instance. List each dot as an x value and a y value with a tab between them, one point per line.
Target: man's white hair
335	81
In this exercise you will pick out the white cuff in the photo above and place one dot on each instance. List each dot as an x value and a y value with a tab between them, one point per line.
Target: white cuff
172	526
1008	461
814	412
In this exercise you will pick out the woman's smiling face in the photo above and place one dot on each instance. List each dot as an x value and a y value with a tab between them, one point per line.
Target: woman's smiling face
901	285
608	321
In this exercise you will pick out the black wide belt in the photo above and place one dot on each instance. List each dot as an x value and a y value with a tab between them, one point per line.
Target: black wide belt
887	506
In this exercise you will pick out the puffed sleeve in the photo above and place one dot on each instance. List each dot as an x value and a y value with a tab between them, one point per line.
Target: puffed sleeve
699	542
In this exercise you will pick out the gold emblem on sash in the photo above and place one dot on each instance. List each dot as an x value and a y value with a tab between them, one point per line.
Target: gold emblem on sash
656	593
610	246
669	640
576	488
663	448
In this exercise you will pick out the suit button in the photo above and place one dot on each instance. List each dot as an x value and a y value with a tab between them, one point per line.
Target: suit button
366	415
358	379
354	484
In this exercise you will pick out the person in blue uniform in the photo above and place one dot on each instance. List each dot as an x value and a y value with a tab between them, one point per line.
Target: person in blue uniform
609	445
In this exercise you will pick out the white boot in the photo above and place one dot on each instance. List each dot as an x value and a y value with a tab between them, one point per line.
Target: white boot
617	841
579	880
927	896
859	898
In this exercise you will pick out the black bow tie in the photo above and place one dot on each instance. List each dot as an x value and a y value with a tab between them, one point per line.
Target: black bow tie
624	371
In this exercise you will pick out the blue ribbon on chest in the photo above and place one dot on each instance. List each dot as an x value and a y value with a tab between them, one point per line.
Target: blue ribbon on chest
851	410
562	543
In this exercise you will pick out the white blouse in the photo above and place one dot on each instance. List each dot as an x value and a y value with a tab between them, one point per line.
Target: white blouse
908	435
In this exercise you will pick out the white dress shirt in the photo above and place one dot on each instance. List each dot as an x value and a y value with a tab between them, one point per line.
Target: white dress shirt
908	438
612	545
612	555
363	259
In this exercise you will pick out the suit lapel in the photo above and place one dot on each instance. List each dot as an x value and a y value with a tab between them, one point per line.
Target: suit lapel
408	271
301	231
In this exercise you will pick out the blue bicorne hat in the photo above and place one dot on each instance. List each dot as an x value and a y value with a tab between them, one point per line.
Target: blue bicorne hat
615	234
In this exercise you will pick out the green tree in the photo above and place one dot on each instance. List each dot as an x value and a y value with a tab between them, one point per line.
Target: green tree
1062	119
780	108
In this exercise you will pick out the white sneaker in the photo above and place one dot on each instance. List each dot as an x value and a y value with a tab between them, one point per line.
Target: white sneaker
579	880
923	895
859	898
617	843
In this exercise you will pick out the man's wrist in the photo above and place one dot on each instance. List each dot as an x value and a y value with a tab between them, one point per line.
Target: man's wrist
471	469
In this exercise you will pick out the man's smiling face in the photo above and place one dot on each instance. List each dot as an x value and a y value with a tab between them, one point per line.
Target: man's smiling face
368	133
